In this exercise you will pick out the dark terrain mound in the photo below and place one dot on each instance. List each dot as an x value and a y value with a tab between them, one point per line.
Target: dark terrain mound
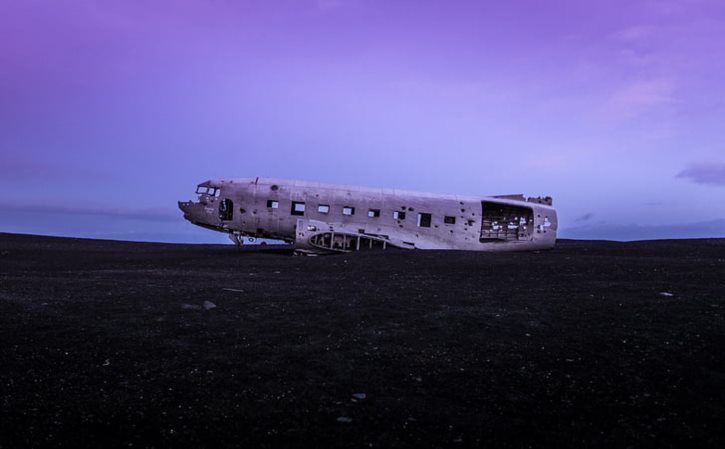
592	344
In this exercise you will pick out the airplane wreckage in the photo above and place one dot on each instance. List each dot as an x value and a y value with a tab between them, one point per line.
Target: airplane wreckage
329	219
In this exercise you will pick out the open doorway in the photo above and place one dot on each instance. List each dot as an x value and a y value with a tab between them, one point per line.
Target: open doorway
226	209
506	222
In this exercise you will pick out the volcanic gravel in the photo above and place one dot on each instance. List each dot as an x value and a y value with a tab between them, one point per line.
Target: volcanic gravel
592	344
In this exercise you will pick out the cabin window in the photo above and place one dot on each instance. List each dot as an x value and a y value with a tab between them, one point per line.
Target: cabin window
424	220
323	209
372	213
398	215
449	220
298	208
347	210
272	204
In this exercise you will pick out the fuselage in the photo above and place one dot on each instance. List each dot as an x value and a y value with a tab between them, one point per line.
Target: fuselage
320	218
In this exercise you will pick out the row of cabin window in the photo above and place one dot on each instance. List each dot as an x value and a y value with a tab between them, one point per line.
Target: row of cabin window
298	208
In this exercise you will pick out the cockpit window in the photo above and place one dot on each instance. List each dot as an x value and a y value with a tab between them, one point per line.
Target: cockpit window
211	191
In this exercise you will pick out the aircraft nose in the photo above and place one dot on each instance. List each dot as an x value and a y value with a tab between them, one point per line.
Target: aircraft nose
187	207
195	212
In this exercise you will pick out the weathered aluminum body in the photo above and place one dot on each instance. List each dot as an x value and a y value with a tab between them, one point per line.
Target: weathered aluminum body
321	218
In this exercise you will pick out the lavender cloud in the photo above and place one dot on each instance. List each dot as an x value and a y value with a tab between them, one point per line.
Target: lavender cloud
640	97
705	173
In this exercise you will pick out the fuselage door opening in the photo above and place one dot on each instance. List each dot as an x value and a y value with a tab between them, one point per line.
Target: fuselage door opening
226	209
506	222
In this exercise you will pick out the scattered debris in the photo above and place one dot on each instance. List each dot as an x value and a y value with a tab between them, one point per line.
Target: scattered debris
344	419
208	305
668	294
190	306
359	396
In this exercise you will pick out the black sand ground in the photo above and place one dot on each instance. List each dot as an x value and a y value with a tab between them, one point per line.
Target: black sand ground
593	344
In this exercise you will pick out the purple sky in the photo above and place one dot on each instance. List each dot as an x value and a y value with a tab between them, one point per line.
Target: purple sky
110	111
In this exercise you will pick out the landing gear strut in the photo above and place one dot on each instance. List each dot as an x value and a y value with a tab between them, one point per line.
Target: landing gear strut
236	238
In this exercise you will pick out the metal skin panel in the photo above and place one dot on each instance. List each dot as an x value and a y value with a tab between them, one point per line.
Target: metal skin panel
530	224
